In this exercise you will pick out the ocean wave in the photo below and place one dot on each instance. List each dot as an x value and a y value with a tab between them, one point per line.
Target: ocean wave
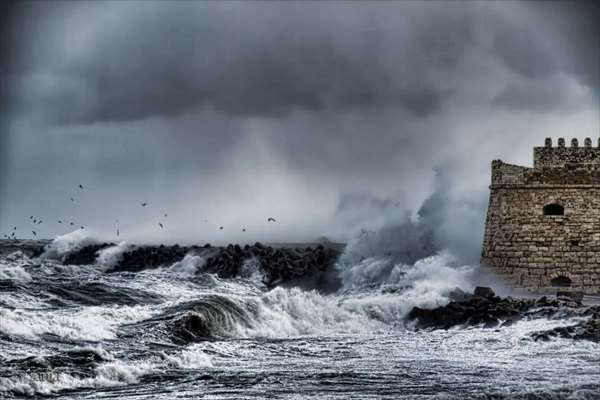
109	257
45	376
114	373
14	273
90	323
189	266
62	246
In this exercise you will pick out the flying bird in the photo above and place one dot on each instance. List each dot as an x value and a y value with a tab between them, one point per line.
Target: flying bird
243	229
71	223
165	215
117	232
72	199
271	219
15	228
35	221
220	227
34	234
59	221
80	186
39	222
82	227
31	217
161	225
144	204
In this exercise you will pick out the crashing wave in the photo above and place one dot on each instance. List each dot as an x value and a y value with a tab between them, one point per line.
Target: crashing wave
62	246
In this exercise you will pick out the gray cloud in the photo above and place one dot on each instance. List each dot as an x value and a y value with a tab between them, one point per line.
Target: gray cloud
259	59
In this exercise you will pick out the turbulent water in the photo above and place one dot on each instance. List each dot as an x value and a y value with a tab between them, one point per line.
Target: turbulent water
78	332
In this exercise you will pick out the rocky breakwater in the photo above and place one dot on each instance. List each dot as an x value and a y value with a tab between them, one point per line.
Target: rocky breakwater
310	267
484	308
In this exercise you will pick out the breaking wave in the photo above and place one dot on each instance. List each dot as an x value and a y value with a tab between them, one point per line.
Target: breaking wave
64	245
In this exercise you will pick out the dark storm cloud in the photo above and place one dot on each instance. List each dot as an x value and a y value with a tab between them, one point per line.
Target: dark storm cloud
573	29
259	59
8	23
265	59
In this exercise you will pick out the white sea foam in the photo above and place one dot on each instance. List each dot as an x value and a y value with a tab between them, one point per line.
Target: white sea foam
108	374
90	323
114	373
189	265
12	267
13	272
190	358
110	256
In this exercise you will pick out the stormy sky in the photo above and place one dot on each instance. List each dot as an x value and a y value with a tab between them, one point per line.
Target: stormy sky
329	117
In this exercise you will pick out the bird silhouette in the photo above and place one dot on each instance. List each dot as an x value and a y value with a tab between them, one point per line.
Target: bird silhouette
71	223
220	227
117	232
82	227
59	221
72	199
80	186
35	221
161	225
15	228
34	234
165	215
31	217
271	219
144	204
243	229
39	222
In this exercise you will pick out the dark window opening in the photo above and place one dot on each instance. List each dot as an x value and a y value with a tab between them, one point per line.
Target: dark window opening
554	209
561	281
574	242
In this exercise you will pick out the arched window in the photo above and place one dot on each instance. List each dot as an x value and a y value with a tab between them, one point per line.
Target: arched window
561	281
554	209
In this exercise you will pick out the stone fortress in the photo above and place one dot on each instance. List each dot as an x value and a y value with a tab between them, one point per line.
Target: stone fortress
542	229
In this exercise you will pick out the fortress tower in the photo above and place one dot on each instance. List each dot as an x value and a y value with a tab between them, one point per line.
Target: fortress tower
542	228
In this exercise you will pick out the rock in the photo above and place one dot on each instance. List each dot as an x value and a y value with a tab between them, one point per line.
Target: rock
569	296
492	311
459	295
483	291
309	267
586	330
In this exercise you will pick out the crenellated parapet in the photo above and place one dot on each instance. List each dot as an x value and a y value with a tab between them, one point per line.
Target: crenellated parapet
562	156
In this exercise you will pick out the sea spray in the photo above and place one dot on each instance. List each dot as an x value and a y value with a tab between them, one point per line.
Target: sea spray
64	245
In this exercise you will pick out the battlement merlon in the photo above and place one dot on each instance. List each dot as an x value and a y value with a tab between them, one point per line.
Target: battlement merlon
562	156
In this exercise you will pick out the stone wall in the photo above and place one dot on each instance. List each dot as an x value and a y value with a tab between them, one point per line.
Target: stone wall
531	249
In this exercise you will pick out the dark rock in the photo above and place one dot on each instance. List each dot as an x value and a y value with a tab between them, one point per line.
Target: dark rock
492	311
586	330
483	291
308	267
565	295
86	255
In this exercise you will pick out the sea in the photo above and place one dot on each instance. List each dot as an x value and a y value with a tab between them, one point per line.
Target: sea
179	332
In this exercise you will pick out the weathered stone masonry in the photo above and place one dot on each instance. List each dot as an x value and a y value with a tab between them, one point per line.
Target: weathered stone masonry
543	223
